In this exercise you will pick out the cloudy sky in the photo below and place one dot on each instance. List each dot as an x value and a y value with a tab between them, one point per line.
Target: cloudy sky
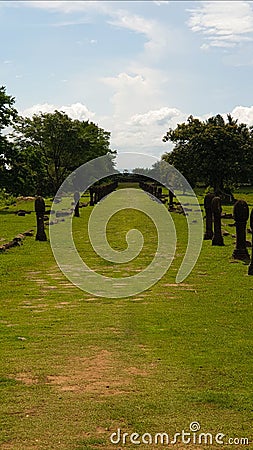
134	68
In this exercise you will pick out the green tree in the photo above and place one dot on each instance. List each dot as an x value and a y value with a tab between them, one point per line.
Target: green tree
142	171
213	151
7	115
7	111
26	172
249	158
50	146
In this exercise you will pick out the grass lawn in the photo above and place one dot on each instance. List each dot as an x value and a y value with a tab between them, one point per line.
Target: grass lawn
75	367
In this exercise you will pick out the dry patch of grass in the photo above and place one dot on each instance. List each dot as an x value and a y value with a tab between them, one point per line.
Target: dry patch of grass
26	378
96	375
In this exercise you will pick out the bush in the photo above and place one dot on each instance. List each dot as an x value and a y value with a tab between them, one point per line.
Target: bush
6	199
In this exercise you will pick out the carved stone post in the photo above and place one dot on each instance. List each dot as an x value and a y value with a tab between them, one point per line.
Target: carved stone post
250	271
171	196
241	215
40	211
159	192
91	196
209	216
76	198
100	193
95	195
216	210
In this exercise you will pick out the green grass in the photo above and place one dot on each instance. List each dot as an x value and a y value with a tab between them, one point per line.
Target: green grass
75	367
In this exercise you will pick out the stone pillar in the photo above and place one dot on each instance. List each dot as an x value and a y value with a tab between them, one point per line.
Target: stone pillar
159	192
241	215
216	210
95	195
171	196
100	193
76	199
91	196
250	271
209	216
40	211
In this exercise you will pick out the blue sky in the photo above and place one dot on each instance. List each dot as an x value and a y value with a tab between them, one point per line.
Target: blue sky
134	68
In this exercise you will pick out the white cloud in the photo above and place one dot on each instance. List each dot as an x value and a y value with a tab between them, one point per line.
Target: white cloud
134	22
244	114
75	111
127	89
67	6
143	138
135	91
139	119
161	2
162	117
223	24
140	132
142	97
145	131
157	36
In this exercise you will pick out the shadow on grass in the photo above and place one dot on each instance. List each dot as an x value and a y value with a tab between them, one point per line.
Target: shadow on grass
5	212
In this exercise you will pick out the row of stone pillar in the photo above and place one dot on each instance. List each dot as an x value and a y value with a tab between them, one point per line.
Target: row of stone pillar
156	191
213	210
152	188
98	192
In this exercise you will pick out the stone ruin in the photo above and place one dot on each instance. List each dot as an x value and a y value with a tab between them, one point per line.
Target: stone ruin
241	215
40	212
250	270
100	191
209	216
216	208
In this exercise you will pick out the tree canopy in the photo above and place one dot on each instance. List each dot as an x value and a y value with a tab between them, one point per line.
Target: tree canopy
7	114
7	111
215	151
48	147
